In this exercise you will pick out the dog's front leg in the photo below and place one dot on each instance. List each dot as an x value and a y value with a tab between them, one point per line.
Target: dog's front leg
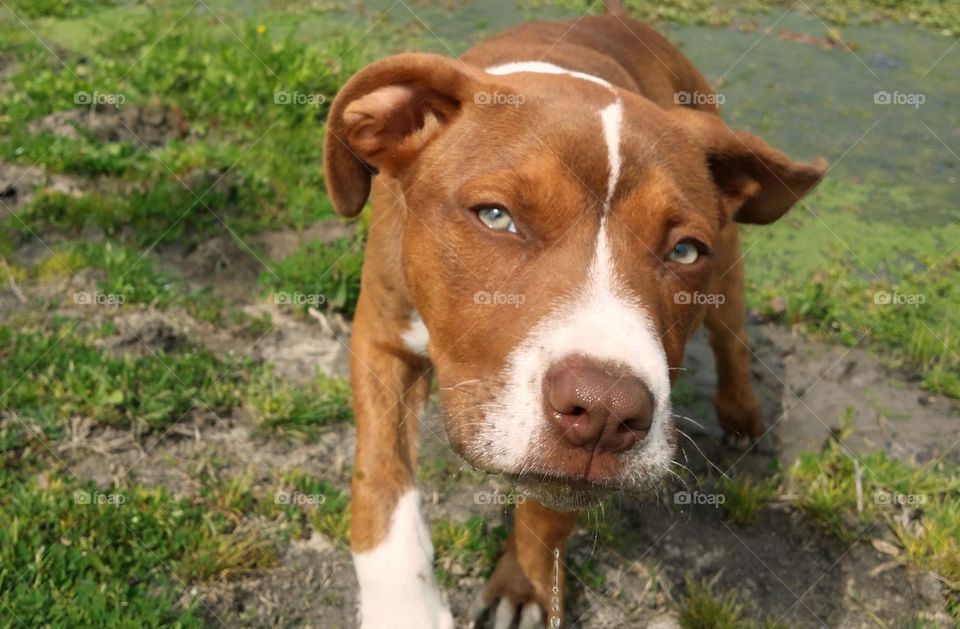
737	408
392	551
522	585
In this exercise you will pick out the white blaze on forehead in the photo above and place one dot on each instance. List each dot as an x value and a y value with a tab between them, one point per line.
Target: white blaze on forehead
397	588
611	117
601	320
542	67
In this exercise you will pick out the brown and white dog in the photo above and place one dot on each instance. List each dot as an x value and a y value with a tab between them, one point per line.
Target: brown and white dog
545	217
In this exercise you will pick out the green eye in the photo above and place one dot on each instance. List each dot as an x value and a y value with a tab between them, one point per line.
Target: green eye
497	218
685	252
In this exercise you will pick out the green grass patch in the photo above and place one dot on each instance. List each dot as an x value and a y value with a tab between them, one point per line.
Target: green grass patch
298	411
444	473
911	319
702	607
75	555
745	497
58	8
323	275
933	14
246	99
49	375
472	544
314	502
825	486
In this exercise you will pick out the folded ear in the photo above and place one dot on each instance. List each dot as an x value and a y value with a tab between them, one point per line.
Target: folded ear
384	116
758	183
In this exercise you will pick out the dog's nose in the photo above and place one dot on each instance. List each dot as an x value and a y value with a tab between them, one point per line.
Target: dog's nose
597	406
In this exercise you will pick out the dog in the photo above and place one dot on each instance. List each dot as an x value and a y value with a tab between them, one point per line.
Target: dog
551	220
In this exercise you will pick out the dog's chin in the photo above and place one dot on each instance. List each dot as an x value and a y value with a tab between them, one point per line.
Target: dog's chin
562	495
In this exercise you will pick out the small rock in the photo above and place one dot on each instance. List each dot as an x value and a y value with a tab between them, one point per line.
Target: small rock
930	588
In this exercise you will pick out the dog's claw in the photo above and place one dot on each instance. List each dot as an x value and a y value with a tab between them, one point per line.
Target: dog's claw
531	617
507	614
737	442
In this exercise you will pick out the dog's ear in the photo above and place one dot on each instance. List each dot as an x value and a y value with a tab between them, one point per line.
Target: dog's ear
383	117
758	183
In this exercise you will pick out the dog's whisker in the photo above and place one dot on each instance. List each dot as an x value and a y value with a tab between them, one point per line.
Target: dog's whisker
703	454
460	384
691	420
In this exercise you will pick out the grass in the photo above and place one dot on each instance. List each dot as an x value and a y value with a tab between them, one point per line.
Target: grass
825	485
75	555
322	275
299	411
472	544
701	607
904	315
47	375
314	502
240	161
933	14
254	166
50	373
745	497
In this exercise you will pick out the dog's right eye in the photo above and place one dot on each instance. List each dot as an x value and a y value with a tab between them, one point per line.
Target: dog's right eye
497	218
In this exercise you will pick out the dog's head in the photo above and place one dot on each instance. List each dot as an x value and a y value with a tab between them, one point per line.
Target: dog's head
557	233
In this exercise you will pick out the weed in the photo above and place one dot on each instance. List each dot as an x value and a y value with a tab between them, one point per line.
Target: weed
300	411
47	375
745	497
319	274
472	544
826	486
701	608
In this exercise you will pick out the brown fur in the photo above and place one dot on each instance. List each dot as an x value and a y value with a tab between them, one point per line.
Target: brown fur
414	118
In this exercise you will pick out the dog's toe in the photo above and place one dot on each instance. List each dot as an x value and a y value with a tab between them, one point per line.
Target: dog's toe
738	443
503	613
531	616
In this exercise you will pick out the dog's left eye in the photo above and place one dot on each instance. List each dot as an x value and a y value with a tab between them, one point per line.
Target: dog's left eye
497	218
685	252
